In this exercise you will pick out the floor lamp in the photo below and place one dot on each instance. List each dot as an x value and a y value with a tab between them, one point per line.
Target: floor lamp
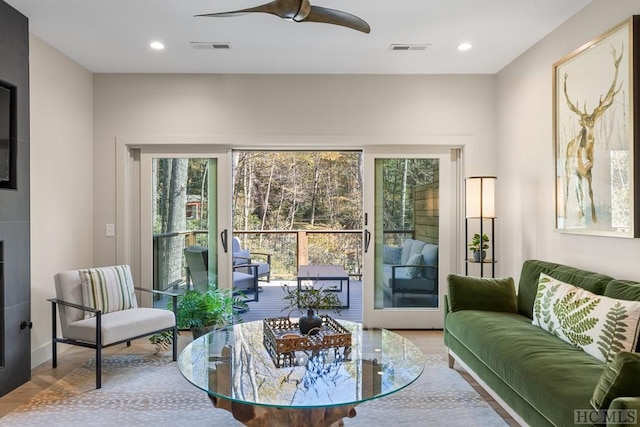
480	207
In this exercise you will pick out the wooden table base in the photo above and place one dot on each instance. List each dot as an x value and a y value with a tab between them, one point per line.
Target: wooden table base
268	416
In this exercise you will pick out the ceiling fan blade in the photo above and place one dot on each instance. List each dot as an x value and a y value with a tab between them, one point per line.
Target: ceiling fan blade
337	17
274	8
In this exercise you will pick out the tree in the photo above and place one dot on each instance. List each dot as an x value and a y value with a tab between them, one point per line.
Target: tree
170	201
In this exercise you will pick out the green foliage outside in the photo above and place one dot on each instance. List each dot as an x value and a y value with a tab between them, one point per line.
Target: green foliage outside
292	191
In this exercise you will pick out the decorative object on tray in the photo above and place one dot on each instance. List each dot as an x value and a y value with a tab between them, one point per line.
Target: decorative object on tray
282	339
312	299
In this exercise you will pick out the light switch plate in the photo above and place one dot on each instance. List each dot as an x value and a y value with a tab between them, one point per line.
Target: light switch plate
110	230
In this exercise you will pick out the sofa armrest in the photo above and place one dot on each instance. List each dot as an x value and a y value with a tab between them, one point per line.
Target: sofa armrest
623	404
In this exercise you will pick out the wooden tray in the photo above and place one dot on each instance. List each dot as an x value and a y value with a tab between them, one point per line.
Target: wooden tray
282	339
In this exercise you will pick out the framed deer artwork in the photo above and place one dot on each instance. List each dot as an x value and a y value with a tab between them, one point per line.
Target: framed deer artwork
597	128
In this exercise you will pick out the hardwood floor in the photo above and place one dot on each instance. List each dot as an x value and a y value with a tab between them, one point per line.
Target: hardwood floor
43	376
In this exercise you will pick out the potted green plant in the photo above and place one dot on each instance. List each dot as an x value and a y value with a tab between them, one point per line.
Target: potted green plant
312	299
475	246
202	312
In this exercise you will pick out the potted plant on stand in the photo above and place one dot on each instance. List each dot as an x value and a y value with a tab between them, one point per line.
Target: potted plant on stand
312	299
478	247
202	312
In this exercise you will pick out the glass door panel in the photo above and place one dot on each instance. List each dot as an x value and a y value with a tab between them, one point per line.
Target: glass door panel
410	229
181	223
182	228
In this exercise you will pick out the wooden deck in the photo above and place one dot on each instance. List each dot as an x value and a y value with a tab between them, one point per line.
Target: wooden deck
271	303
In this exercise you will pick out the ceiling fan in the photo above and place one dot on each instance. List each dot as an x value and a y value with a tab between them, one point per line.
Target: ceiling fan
301	11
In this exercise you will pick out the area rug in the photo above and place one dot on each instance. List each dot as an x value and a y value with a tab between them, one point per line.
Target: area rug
146	390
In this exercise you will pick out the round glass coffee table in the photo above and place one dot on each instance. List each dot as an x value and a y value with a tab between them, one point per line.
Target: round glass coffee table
312	387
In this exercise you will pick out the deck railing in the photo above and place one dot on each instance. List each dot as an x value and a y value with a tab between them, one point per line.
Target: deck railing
288	249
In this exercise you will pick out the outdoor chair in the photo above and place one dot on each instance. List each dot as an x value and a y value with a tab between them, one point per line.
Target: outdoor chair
244	256
98	308
197	267
245	276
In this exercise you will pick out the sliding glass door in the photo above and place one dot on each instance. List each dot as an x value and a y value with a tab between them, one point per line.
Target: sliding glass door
408	242
183	223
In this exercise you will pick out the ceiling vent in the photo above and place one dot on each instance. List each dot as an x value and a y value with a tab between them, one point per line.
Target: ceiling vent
408	47
211	45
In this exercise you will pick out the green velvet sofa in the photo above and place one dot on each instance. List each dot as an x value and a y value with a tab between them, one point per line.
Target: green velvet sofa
539	378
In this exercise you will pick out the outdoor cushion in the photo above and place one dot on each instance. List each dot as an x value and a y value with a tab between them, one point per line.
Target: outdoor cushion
410	247
413	262
107	289
243	281
391	254
241	257
430	254
621	378
477	293
599	325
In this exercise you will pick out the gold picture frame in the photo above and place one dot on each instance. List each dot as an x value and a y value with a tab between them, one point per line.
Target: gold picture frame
595	143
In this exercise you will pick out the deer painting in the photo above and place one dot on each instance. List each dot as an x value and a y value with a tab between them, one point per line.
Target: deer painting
579	154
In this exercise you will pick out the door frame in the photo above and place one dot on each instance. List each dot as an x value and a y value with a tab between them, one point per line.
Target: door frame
128	174
133	233
147	155
450	231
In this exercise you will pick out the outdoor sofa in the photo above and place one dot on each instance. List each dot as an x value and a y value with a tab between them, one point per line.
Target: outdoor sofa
410	269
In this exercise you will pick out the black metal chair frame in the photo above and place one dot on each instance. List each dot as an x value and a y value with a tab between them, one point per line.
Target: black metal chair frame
98	345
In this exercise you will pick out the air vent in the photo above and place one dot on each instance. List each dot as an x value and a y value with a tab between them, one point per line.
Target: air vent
408	47
211	45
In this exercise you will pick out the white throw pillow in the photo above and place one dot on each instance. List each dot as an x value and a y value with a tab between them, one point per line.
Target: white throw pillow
599	325
414	261
107	289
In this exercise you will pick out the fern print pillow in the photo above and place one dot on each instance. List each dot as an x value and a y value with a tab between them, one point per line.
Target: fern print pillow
599	325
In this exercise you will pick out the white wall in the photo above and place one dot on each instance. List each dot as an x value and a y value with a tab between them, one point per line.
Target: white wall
526	165
61	103
387	108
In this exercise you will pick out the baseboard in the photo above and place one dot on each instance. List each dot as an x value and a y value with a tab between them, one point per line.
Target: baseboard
513	414
43	353
40	355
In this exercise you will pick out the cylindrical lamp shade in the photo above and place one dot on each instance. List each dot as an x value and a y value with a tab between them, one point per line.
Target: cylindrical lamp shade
480	197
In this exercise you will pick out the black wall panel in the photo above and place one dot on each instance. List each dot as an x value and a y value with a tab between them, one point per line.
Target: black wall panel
15	357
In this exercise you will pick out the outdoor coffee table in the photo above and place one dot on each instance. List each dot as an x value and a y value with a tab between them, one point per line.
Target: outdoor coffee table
323	386
324	273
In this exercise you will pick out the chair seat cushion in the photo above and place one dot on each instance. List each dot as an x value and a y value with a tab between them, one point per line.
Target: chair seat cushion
121	325
263	268
243	281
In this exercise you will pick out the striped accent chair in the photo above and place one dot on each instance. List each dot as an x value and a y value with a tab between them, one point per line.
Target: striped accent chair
98	308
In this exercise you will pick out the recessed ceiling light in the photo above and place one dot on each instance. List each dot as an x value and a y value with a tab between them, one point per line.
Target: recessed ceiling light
464	46
156	45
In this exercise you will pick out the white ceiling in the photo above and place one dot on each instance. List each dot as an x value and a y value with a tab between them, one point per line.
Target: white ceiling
113	36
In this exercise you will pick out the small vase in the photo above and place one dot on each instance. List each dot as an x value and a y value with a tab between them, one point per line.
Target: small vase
476	255
308	322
